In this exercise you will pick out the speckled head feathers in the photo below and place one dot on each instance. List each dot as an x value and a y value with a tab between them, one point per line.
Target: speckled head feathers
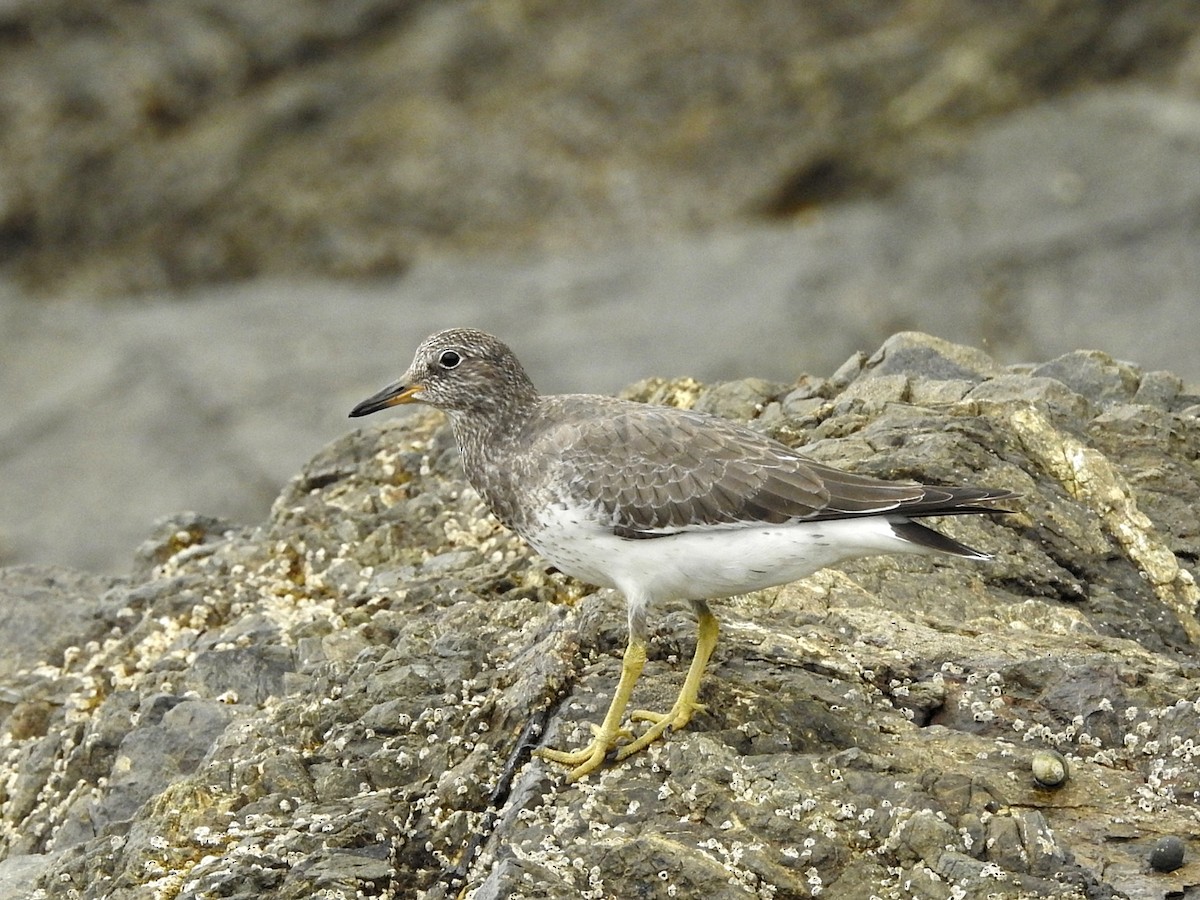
458	370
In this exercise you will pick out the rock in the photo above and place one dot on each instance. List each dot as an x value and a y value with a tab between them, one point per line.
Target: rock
45	610
1167	854
184	531
936	360
1093	374
149	152
243	674
19	873
742	399
167	743
334	700
1049	768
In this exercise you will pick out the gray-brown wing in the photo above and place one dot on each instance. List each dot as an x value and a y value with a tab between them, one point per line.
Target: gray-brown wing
657	471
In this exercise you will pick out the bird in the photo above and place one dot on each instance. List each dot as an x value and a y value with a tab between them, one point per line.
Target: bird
662	504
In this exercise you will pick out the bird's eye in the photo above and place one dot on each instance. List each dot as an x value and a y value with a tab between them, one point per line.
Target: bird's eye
449	359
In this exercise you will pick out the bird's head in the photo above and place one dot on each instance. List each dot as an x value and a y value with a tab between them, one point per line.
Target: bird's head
458	370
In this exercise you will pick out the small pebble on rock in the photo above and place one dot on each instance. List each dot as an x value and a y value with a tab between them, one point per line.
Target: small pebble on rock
1167	854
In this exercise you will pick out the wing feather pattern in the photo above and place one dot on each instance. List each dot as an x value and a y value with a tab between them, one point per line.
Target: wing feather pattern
655	471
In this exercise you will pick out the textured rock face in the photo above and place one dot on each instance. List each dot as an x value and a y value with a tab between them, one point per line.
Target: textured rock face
147	147
339	700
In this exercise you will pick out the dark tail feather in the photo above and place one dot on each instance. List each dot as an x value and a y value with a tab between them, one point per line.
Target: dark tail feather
924	536
939	501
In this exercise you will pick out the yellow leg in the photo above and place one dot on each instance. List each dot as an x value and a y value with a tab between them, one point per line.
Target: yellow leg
681	713
589	759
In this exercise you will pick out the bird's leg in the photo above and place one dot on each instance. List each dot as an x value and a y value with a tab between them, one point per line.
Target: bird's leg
685	704
605	737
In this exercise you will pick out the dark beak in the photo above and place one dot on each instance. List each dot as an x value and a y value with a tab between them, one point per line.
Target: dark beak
392	395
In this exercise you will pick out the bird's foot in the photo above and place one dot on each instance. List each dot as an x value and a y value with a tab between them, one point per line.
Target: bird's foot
587	759
673	720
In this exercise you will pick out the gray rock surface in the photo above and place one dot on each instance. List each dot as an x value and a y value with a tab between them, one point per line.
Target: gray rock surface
336	700
118	414
37	599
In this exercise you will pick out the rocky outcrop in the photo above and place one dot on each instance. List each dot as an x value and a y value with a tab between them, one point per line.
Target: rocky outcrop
342	699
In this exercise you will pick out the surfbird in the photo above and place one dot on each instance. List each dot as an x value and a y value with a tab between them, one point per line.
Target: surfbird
659	503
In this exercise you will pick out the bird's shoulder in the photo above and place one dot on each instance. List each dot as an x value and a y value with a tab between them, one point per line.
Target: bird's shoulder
588	429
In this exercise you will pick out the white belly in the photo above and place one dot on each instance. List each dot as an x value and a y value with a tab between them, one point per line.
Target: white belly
708	563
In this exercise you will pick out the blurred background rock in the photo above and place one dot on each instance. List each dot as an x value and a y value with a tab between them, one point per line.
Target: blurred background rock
224	222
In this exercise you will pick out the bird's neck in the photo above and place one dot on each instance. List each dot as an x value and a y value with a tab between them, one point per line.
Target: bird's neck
491	448
484	435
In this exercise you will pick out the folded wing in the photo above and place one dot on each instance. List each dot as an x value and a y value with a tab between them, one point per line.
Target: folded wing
655	471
